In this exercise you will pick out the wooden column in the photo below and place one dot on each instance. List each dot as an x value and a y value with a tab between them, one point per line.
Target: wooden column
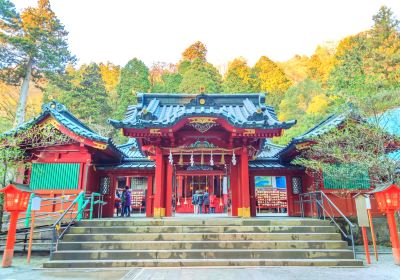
159	209
168	193
149	197
244	179
236	201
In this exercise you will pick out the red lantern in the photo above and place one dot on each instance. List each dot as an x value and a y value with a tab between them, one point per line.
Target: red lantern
16	197
388	198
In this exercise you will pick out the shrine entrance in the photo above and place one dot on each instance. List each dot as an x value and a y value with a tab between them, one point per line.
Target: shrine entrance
200	143
214	183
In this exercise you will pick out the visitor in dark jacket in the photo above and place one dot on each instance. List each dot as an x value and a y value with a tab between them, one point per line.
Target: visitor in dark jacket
127	199
206	203
200	201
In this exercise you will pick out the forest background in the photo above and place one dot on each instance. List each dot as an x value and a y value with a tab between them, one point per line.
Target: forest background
361	72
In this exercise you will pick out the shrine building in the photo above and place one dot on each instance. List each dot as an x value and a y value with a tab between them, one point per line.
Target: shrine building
180	144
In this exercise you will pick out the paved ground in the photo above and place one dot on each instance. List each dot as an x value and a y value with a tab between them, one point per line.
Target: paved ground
383	270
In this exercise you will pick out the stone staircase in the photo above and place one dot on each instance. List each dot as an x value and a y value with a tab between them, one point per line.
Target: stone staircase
175	242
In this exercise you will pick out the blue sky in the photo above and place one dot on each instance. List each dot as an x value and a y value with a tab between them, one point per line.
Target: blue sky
159	30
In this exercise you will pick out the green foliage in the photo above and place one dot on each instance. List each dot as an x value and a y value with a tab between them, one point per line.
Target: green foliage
356	143
199	75
36	34
33	45
270	78
84	95
238	78
134	78
169	83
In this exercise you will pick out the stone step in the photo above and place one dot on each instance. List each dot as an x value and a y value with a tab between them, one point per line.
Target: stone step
203	254
179	245
201	229
202	262
198	236
201	222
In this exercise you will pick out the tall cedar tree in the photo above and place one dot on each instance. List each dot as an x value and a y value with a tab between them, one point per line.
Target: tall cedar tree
200	75
134	79
32	45
238	78
88	97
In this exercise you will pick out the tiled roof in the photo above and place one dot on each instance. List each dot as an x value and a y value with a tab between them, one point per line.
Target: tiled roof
163	110
273	163
131	164
269	150
323	127
59	112
131	150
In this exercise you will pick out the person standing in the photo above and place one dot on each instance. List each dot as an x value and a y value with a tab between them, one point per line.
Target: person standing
127	202
200	202
117	203
195	203
206	203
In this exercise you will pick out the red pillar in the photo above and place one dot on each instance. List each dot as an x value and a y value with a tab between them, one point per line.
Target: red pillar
253	201
159	210
149	197
168	193
236	202
9	250
394	236
244	178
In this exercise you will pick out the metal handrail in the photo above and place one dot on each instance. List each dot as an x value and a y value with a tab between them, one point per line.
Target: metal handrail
57	224
320	203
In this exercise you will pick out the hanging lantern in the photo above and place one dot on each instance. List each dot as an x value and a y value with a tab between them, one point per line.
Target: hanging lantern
202	159
234	158
181	159
178	203
222	159
211	159
191	160
170	158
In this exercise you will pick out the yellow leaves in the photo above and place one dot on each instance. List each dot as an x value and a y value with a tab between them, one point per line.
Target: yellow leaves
318	104
110	74
40	18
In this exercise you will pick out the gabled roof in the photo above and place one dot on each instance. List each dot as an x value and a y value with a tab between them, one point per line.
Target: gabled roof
333	121
60	113
163	110
133	158
269	150
131	150
65	119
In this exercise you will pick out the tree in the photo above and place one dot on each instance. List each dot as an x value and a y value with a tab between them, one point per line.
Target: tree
270	78
195	51
85	95
110	74
296	68
306	102
169	83
134	78
355	147
385	24
321	63
199	75
238	77
33	45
